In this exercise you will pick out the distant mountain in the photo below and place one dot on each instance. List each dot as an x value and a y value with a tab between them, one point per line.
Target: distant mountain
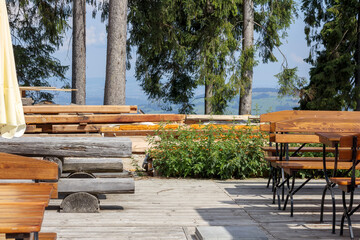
263	99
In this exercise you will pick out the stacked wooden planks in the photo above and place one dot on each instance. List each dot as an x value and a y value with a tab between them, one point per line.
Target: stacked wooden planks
119	119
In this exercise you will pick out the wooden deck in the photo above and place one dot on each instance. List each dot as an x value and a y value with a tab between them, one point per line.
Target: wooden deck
172	208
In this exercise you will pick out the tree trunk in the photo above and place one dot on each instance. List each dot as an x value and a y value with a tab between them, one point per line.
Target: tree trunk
116	54
79	53
357	69
248	42
208	96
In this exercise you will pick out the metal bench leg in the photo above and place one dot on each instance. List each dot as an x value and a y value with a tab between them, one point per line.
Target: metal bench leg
36	236
347	214
322	204
270	177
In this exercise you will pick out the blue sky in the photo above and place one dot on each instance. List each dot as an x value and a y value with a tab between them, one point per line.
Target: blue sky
294	48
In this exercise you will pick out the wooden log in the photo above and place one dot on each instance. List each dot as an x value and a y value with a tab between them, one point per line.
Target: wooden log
93	165
80	202
96	185
103	118
54	109
67	146
124	174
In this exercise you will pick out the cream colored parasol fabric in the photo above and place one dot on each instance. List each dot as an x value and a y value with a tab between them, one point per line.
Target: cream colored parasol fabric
12	120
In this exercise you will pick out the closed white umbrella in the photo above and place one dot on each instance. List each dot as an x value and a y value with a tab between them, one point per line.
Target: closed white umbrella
12	120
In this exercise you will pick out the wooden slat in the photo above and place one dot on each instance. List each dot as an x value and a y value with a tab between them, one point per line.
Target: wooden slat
33	129
295	114
275	158
265	127
304	149
104	118
47	236
24	218
76	128
318	125
315	165
189	119
295	138
344	180
19	167
53	109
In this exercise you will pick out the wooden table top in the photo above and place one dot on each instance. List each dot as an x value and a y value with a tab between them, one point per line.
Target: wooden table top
331	138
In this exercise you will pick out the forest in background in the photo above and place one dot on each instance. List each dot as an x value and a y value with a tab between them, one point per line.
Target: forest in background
183	44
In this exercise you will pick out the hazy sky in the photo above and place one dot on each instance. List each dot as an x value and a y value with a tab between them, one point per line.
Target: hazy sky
295	50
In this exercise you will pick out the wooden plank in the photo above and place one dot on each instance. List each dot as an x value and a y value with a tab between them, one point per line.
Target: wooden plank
68	146
189	119
318	125
76	128
265	127
294	114
96	185
47	236
33	129
92	165
45	135
53	109
20	167
104	118
304	149
295	138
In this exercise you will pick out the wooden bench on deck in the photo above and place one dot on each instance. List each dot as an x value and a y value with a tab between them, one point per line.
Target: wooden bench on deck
23	202
300	127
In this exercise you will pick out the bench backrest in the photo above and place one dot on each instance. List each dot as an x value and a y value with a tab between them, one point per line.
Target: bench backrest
312	125
26	168
295	114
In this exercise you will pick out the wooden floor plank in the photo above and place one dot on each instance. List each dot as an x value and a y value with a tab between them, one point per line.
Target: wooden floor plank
162	208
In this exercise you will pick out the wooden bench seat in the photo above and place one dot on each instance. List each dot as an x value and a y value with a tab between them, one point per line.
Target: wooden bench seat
315	159
47	236
290	166
304	149
22	204
344	183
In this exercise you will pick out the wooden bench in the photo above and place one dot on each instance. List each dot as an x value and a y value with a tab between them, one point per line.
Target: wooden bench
300	127
348	184
81	157
22	204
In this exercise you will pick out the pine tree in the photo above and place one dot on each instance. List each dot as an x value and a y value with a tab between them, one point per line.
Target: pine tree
116	53
79	53
332	29
37	27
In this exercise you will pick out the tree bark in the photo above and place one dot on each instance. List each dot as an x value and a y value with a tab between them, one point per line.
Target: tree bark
208	96
357	69
116	54
79	53
248	42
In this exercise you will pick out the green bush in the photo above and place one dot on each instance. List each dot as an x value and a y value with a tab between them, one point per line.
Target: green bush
211	152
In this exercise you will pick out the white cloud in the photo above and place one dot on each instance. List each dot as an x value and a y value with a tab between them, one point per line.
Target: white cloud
94	36
297	58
